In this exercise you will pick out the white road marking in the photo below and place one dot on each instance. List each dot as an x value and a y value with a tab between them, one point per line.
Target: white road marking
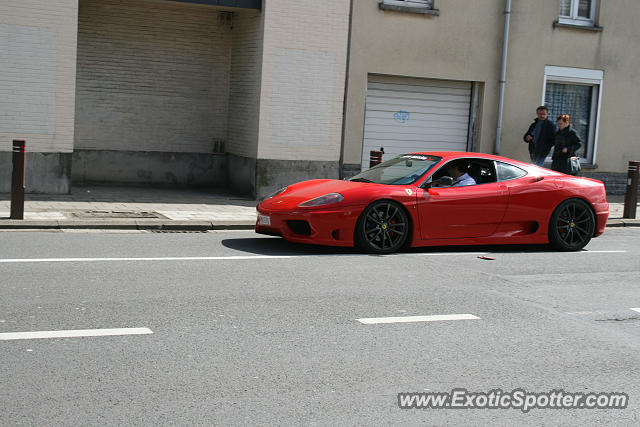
636	309
73	333
585	251
212	258
407	319
246	257
186	258
599	252
446	253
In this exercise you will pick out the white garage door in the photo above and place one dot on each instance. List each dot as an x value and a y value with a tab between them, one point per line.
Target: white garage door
406	114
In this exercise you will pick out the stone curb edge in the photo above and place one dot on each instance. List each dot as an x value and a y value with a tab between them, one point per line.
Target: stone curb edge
623	223
151	225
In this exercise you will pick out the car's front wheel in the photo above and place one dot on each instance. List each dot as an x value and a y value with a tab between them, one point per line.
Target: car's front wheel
383	227
572	225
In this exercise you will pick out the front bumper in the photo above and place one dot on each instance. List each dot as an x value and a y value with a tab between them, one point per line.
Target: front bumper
602	214
331	227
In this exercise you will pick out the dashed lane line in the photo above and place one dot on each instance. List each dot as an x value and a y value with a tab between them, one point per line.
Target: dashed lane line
73	333
192	258
410	319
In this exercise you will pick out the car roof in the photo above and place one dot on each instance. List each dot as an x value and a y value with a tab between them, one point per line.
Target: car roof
450	155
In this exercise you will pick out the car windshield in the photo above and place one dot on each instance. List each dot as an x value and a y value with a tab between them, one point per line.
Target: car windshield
402	170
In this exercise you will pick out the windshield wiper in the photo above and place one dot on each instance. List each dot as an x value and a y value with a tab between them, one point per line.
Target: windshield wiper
360	180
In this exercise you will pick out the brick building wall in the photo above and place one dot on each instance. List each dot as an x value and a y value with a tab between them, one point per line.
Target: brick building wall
152	76
244	99
303	75
37	89
302	91
37	73
174	92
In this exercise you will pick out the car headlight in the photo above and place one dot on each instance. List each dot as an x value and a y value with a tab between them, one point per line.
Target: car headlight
327	199
275	193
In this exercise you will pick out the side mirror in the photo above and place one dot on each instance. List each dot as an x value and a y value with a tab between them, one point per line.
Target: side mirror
427	184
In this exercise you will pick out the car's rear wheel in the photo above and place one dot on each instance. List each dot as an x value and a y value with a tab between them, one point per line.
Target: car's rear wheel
383	227
572	225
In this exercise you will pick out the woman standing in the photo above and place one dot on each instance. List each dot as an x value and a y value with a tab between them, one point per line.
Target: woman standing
566	145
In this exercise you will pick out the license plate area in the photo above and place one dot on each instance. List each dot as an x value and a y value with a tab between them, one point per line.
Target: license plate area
264	220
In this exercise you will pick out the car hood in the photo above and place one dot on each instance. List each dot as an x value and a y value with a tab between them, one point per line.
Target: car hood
307	190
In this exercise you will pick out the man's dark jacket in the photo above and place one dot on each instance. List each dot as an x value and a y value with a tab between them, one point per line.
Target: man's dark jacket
540	149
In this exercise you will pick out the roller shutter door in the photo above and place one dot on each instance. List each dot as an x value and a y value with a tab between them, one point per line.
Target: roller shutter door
407	114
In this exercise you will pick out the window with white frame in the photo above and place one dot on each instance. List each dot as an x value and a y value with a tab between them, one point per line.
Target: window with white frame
576	92
577	12
426	4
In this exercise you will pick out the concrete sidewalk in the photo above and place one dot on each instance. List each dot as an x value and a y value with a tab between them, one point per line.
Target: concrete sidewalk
132	208
160	209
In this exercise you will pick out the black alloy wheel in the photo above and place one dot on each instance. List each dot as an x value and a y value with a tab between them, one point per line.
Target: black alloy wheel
382	228
572	225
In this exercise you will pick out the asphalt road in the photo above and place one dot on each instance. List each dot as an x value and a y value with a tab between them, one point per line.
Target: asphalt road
254	330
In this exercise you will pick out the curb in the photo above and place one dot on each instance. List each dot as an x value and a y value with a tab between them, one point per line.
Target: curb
150	225
623	222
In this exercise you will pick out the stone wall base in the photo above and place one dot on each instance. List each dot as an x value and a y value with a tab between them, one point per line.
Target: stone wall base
44	172
614	182
166	169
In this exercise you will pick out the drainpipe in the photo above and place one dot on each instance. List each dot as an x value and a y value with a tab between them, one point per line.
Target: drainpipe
503	74
344	100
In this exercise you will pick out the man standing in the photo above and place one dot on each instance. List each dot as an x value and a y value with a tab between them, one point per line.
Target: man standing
540	136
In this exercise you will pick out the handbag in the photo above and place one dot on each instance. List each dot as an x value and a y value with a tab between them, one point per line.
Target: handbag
574	165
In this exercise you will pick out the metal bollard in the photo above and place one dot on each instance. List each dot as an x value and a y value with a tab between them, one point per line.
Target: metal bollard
17	180
631	196
375	157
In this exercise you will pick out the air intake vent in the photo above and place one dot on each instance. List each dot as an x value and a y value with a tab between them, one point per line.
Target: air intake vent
299	227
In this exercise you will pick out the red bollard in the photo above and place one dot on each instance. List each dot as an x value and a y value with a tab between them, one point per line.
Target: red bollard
631	196
17	180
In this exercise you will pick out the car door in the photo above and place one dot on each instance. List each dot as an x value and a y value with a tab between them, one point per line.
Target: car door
530	199
462	212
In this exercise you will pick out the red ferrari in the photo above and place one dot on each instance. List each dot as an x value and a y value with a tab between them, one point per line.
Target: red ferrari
440	198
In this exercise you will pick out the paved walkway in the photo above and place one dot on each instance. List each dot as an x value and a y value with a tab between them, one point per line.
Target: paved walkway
150	208
131	207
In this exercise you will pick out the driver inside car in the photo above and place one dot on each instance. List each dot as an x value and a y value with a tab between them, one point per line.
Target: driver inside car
458	172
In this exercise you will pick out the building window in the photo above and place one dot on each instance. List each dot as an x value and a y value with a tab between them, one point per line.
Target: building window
577	12
576	92
426	4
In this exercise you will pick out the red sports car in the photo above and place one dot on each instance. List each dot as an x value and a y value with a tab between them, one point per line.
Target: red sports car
439	198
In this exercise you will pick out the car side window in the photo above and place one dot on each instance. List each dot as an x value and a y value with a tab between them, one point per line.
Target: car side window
507	171
442	171
481	170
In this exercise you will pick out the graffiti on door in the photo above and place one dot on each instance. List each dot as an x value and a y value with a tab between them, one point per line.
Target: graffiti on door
401	116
